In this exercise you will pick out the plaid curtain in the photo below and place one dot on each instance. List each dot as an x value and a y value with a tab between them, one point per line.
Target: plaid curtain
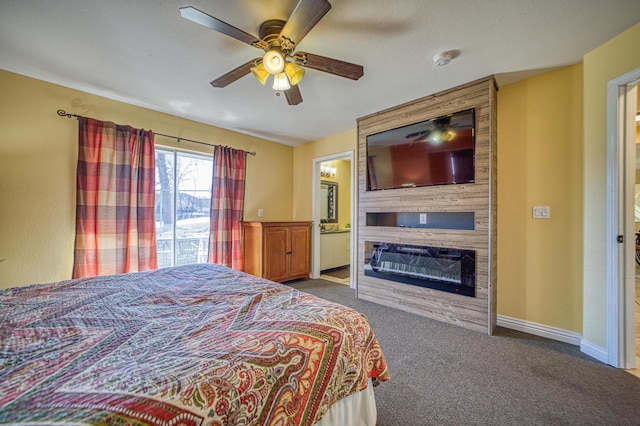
227	207
115	225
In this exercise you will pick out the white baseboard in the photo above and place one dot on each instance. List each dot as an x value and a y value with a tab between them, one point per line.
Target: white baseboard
541	330
597	352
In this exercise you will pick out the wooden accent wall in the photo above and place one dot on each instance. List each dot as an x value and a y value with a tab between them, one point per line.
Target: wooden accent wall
479	312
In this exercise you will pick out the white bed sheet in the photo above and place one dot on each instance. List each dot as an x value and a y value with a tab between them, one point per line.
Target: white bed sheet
358	409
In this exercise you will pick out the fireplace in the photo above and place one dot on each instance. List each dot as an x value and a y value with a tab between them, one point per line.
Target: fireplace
444	269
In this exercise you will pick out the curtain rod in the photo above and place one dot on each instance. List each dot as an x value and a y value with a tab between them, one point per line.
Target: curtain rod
63	113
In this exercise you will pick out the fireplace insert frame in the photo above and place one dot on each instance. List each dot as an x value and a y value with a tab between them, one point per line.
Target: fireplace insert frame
439	268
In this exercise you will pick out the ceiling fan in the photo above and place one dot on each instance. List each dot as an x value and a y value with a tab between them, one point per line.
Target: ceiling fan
278	39
438	132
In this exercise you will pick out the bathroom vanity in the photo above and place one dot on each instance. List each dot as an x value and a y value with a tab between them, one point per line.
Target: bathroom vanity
334	249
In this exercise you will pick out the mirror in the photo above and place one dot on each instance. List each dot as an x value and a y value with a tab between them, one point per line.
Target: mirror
637	204
328	202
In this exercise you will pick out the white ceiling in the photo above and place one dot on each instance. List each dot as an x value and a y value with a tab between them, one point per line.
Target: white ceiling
143	53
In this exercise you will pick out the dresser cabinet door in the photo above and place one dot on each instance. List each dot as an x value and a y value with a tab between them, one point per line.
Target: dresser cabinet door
275	257
299	252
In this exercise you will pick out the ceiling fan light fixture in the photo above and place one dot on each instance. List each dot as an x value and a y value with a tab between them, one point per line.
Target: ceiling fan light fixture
273	61
260	73
281	82
294	72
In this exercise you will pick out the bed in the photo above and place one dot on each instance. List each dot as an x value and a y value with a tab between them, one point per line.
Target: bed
190	345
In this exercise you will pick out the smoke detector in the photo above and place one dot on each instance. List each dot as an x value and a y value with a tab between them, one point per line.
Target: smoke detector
442	58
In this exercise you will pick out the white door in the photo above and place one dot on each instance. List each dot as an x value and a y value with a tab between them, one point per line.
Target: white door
622	109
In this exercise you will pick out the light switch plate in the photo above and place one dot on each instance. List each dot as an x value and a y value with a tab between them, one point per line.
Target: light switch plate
423	218
541	212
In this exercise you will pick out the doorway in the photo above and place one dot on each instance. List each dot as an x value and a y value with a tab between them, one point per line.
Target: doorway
339	171
634	102
622	106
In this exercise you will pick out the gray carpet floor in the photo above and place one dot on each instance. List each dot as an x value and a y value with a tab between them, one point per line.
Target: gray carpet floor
442	374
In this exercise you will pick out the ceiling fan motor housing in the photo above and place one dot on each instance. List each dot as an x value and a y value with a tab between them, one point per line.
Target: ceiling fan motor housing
270	30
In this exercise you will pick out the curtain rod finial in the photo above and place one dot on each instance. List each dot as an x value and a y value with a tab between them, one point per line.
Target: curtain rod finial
63	113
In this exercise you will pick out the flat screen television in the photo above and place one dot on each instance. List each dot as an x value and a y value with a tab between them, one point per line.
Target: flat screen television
439	151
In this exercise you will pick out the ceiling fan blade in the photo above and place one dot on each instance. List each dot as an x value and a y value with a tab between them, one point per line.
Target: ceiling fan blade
332	66
235	74
293	95
303	18
199	17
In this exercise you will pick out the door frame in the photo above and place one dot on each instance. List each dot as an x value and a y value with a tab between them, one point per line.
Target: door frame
620	315
315	205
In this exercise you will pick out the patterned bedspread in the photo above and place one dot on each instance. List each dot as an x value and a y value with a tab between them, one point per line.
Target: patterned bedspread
197	344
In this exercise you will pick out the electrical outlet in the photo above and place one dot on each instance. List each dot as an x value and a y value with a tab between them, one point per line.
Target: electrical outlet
423	218
541	212
260	212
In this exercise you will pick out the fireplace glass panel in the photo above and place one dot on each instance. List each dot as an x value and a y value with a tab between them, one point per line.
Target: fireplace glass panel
438	268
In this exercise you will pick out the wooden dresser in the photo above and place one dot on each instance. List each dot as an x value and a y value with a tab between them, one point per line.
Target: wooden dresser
277	251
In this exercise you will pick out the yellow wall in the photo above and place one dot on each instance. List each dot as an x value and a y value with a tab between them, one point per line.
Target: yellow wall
613	59
38	154
540	163
303	168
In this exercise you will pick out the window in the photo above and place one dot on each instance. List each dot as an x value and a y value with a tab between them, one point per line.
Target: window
183	202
